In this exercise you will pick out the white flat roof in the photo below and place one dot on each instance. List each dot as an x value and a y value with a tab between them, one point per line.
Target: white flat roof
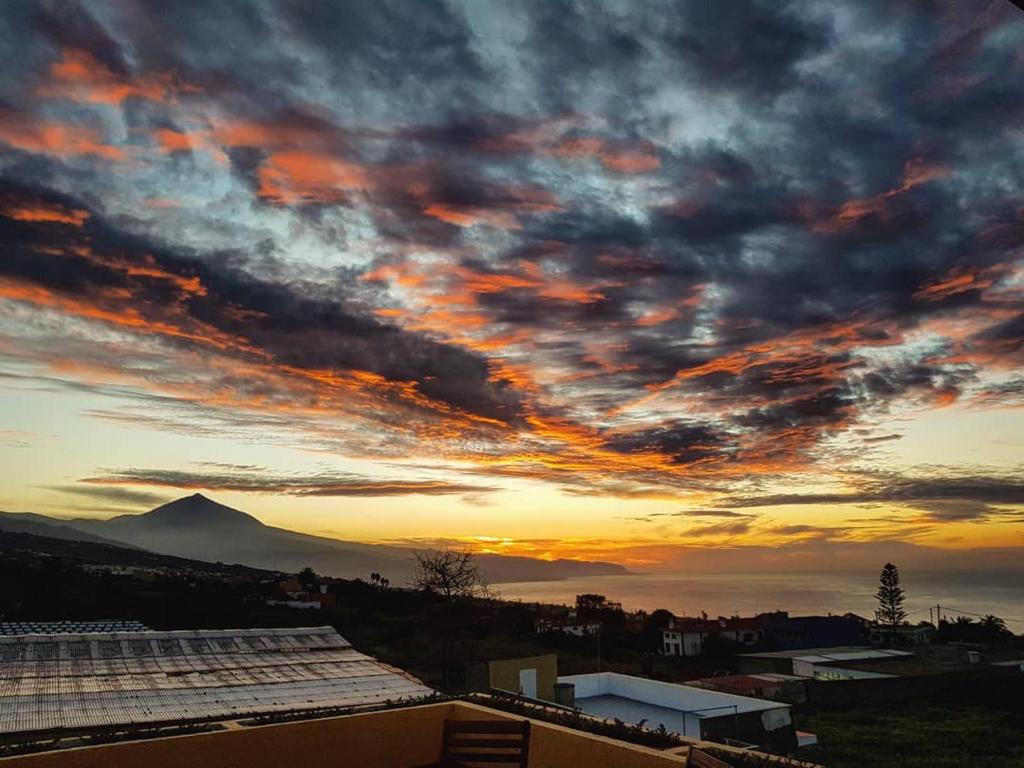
702	702
678	708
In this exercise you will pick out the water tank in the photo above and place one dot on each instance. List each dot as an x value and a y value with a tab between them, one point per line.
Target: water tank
565	694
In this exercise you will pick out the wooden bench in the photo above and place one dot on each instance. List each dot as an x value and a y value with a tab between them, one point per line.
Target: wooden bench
698	758
469	743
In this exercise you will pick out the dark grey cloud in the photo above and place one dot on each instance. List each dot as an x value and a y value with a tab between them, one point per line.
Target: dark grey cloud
941	495
685	443
747	46
708	513
734	528
122	497
301	324
323	484
759	208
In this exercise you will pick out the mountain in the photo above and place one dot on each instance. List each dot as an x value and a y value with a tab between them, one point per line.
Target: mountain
29	548
199	528
40	525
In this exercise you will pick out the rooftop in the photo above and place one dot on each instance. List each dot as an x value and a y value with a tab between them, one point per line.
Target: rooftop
69	627
822	655
56	683
679	708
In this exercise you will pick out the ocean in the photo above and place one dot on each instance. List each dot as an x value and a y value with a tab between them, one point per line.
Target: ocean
1001	594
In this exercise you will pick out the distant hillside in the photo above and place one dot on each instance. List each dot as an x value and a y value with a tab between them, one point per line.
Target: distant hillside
40	525
24	548
200	528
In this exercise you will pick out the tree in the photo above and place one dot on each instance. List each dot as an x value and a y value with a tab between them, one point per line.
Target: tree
994	627
452	574
455	577
380	581
590	605
308	579
890	611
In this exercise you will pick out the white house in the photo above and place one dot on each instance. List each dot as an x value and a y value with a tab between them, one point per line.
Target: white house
686	638
571	627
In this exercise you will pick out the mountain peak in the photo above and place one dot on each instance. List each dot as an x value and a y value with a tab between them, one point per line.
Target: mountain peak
198	510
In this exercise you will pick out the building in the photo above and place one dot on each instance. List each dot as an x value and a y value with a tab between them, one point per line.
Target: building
533	677
263	698
904	636
1017	664
577	627
817	663
685	637
769	685
784	632
388	738
777	630
82	683
685	710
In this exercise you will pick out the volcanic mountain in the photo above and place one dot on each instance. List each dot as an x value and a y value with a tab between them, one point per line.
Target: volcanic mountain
202	529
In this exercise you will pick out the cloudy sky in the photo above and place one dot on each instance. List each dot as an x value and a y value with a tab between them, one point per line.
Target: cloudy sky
602	279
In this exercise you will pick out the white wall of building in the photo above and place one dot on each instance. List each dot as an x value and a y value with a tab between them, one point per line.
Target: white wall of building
678	707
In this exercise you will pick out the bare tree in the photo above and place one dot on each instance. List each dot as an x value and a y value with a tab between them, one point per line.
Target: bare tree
452	574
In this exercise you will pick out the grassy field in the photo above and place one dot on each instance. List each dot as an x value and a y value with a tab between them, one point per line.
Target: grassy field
916	736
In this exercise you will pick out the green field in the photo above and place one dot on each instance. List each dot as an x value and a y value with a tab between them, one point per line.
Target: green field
915	736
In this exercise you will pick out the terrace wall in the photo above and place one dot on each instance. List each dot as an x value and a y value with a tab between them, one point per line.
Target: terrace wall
397	738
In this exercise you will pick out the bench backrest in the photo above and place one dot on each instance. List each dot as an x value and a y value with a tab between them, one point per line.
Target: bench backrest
486	743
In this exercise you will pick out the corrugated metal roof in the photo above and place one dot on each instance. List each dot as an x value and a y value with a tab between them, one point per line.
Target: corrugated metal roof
69	627
92	680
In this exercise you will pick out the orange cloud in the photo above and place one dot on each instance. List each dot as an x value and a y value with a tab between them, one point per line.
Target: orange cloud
160	202
639	157
51	138
178	141
956	282
631	161
48	213
174	141
78	76
295	177
467	216
916	171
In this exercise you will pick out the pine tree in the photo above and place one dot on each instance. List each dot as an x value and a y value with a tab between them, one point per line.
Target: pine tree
890	599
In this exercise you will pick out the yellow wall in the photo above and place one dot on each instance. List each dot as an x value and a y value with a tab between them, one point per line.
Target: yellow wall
505	674
398	738
555	746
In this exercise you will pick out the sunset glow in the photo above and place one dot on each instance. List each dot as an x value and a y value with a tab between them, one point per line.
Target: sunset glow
561	284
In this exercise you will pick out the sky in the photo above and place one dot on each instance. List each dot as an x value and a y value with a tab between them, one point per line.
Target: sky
610	280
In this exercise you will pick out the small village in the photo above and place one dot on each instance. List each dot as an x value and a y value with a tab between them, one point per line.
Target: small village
769	684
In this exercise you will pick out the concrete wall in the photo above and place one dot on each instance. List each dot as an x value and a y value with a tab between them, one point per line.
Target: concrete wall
397	738
686	710
555	746
671	695
504	674
755	665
